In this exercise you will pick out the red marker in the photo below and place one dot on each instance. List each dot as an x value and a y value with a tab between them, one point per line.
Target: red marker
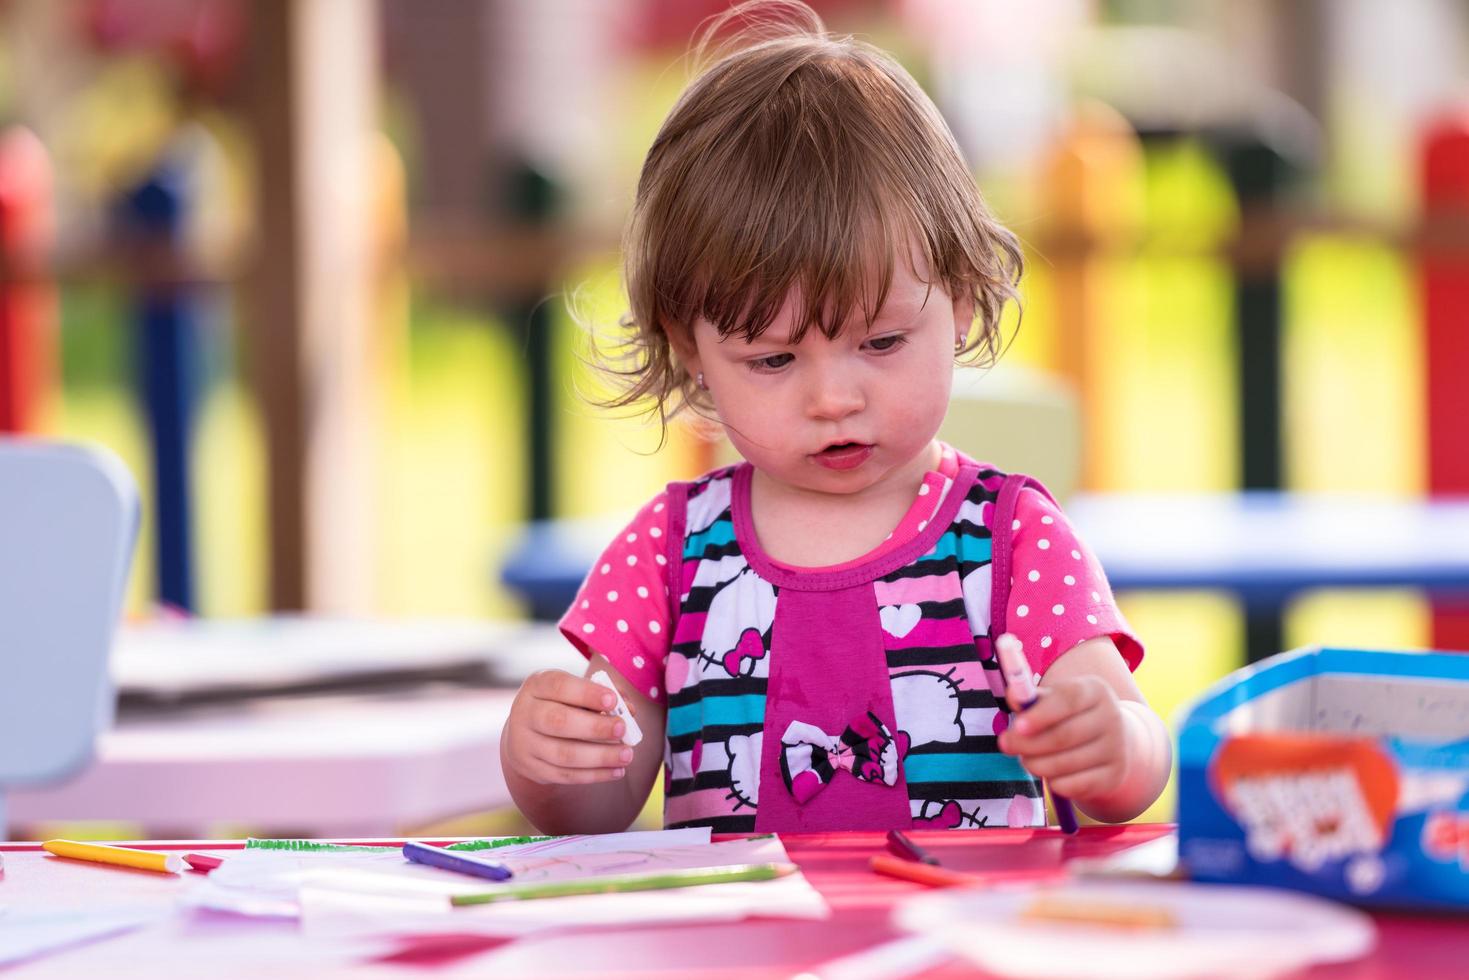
203	863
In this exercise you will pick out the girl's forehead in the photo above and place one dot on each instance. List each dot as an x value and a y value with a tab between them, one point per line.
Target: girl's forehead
907	296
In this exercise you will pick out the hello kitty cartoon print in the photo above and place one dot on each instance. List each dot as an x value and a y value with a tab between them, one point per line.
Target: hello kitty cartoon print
739	616
750	660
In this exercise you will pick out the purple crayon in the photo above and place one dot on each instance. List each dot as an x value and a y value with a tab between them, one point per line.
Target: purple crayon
467	864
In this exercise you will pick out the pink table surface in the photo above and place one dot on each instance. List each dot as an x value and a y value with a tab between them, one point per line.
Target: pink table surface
1420	946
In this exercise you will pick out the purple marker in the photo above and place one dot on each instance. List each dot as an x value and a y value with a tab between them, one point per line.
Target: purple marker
438	857
1021	693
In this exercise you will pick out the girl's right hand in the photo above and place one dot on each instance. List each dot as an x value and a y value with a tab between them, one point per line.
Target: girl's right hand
557	732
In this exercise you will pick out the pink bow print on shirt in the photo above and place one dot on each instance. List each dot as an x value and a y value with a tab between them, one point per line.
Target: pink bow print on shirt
751	647
810	757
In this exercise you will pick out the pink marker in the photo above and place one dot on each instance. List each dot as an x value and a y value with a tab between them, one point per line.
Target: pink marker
1021	693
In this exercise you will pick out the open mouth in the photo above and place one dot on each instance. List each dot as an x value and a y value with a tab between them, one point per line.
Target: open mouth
844	455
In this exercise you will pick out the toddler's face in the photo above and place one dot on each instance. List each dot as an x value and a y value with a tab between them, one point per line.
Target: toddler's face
839	416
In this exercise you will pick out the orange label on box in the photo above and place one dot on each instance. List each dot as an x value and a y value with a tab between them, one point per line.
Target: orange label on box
1307	799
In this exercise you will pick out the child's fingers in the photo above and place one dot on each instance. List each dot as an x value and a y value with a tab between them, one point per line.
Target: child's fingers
569	754
558	685
600	664
1087	784
558	720
1070	730
1079	758
1053	709
1058	702
540	772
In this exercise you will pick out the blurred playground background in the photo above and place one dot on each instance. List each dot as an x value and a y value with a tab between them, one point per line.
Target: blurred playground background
306	266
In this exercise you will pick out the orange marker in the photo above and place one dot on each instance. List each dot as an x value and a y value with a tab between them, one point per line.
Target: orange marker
940	877
924	874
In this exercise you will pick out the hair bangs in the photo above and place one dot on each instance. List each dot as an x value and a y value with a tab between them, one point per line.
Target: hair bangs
828	280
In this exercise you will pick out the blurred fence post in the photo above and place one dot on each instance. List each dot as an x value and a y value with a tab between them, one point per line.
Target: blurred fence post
530	204
313	107
168	321
533	198
1087	179
1261	175
27	299
1444	278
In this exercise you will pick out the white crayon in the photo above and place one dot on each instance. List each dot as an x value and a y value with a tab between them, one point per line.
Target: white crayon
632	735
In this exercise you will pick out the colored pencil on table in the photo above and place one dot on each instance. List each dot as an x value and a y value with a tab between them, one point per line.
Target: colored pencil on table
928	874
468	864
900	845
630	883
127	857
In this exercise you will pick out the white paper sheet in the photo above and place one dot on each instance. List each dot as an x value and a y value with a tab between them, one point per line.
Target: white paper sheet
266	882
333	913
26	933
358	893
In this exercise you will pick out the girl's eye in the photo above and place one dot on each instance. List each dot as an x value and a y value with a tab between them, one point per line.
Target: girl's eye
772	363
889	343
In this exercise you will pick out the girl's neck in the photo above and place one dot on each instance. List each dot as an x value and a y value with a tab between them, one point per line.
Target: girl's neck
808	529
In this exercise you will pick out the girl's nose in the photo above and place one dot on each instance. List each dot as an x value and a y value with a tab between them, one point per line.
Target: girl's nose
835	394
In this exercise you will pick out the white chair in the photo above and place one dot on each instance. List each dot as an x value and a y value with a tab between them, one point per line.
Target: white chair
1019	419
68	522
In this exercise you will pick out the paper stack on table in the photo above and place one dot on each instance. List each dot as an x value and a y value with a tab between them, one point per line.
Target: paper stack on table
378	892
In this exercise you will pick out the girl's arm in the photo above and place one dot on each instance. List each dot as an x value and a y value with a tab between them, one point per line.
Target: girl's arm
1092	737
560	753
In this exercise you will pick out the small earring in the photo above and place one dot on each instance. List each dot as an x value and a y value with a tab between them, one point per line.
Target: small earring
958	344
699	380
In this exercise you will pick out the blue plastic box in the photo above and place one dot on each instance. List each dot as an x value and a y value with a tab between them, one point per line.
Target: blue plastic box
1339	772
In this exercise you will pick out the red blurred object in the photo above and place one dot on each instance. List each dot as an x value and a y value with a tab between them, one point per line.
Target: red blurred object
204	39
203	863
1444	272
673	23
27	299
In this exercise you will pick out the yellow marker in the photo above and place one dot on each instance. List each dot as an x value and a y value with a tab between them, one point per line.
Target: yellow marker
127	857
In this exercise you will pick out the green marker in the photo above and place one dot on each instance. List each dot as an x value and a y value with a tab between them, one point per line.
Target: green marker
629	883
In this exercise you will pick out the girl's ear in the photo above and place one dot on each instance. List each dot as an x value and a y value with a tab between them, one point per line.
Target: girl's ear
963	317
684	349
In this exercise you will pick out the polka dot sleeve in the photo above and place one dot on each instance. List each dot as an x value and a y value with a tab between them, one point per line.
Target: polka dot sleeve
1059	596
621	610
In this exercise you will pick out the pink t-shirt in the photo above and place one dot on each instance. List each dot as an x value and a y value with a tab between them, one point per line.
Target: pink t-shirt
1059	595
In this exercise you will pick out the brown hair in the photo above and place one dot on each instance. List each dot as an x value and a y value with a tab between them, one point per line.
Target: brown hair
797	159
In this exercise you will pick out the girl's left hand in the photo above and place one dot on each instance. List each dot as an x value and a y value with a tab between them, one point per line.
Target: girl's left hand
1074	737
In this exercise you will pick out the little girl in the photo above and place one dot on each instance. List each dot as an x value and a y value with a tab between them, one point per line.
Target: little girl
806	638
